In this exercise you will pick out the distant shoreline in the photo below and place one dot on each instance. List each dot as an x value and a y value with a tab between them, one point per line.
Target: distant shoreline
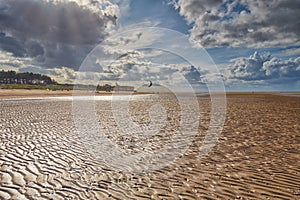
23	93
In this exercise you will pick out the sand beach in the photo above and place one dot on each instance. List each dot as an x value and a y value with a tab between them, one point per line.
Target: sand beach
256	156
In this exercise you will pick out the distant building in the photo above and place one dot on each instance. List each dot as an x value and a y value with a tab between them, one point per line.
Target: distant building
123	88
116	88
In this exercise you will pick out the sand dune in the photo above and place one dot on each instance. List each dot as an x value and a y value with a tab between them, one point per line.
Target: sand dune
257	156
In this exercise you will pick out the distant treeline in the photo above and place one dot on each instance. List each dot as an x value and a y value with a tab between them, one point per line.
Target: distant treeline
29	80
12	77
34	87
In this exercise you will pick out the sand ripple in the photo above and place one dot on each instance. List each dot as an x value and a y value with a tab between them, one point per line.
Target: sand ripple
257	156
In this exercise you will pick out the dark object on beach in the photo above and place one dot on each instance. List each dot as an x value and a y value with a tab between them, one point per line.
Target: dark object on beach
150	84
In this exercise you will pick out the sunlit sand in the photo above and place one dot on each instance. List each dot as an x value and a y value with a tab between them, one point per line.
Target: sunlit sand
256	157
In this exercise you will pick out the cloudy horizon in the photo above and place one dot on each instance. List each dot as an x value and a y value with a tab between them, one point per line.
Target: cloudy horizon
254	44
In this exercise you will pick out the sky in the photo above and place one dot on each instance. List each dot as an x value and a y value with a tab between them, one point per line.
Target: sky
249	45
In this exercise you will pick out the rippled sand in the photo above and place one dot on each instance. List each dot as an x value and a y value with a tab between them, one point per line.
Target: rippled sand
257	156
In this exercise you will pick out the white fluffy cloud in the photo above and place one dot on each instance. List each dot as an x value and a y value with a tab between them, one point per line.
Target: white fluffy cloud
252	23
9	62
265	68
100	7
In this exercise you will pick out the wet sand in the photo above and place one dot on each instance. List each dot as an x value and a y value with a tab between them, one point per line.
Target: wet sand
257	156
23	93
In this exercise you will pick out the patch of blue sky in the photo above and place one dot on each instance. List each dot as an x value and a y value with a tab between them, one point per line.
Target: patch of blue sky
159	12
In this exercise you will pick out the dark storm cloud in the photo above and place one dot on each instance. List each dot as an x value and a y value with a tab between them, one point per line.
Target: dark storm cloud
62	22
10	44
35	49
53	34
